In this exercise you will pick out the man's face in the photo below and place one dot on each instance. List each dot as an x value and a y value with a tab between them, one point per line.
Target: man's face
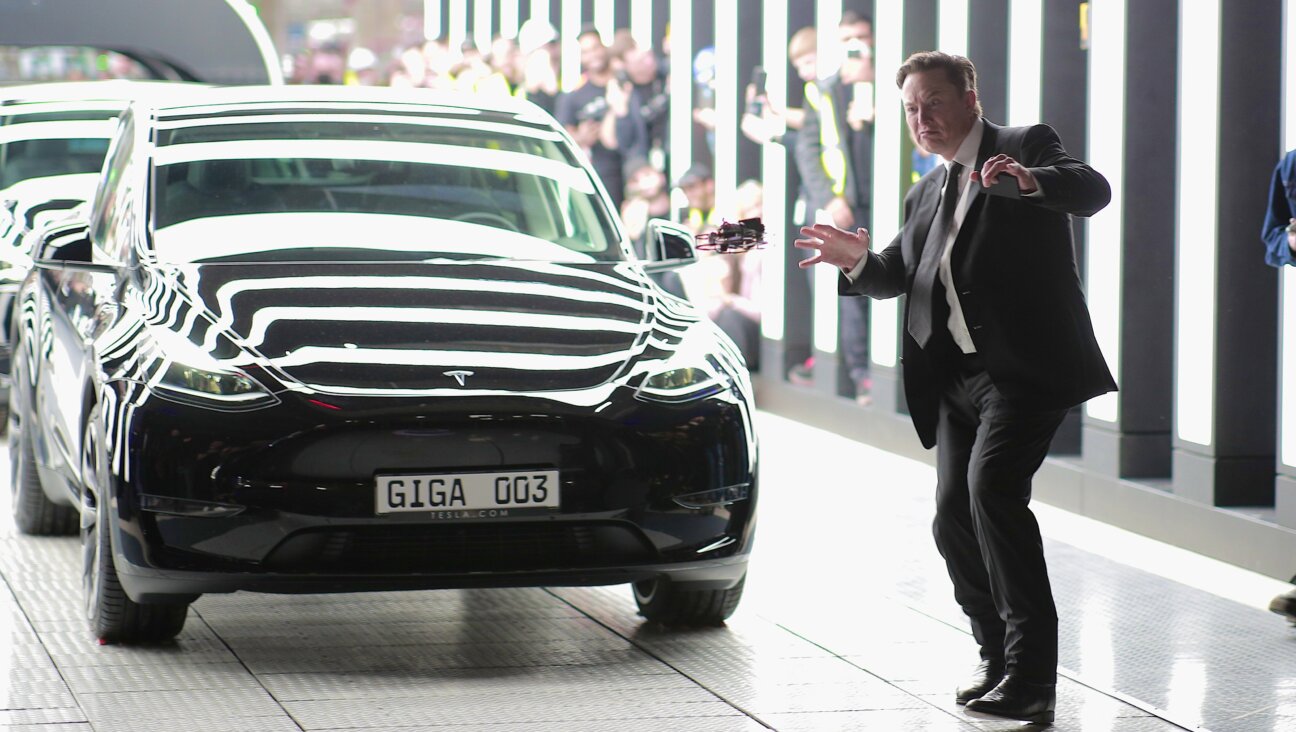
700	194
938	114
806	66
593	54
647	182
641	65
862	32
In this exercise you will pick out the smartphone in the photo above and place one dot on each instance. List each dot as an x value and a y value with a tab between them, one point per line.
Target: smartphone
1006	186
757	105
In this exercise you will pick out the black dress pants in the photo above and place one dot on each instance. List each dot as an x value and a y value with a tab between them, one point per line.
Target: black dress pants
987	452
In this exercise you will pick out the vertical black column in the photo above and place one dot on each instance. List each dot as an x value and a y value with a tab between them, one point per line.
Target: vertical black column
1137	445
703	37
587	15
660	19
1237	469
1066	70
621	14
748	28
988	49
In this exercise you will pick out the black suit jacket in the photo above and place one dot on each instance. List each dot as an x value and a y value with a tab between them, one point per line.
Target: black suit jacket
1015	271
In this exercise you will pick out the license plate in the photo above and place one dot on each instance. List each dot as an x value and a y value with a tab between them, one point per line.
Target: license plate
467	495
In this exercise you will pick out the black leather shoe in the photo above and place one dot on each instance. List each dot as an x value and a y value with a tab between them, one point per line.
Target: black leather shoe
987	676
1016	699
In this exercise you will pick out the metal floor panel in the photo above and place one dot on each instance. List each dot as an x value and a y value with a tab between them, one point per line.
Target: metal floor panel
848	624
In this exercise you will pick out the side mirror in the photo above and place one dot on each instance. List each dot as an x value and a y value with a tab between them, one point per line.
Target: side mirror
66	245
670	246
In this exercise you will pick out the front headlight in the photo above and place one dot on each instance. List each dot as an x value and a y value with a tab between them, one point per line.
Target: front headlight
219	388
685	383
190	374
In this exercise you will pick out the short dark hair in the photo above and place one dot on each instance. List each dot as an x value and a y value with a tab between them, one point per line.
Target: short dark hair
852	17
958	69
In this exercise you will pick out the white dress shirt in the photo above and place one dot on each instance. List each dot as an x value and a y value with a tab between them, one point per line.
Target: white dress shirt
967	157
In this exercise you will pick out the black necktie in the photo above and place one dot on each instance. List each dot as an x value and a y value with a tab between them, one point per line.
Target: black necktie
926	284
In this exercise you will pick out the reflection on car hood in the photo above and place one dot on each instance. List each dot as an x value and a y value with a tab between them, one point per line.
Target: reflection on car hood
406	328
35	191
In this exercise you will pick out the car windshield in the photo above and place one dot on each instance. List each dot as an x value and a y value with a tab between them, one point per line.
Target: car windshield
355	188
45	144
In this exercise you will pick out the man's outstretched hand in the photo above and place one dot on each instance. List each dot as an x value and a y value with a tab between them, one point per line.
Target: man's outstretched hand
834	246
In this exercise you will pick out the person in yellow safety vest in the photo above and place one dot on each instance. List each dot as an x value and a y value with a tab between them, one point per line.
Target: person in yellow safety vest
835	148
835	157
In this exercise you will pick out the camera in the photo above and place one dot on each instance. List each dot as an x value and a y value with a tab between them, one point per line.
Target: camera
595	109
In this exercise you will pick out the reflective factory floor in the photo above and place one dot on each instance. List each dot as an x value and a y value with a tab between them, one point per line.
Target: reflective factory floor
848	623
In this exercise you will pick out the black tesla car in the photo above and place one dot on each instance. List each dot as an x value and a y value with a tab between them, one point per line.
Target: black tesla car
329	339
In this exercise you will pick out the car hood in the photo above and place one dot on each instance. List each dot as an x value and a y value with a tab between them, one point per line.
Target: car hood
420	328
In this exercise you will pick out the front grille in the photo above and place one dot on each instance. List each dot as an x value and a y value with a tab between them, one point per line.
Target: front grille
451	549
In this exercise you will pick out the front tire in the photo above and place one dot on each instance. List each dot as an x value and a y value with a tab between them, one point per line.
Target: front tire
34	513
670	603
113	616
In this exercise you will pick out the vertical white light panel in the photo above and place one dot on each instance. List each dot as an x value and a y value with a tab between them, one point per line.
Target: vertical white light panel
641	22
681	87
726	108
1287	372
828	48
1105	238
1198	213
774	173
483	20
509	18
952	27
458	21
431	19
1025	60
605	20
823	332
888	132
540	11
570	63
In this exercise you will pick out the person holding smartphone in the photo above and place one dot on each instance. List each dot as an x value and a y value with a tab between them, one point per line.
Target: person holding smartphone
1279	232
835	155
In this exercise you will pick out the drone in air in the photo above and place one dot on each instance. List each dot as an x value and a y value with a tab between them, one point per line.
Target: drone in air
731	238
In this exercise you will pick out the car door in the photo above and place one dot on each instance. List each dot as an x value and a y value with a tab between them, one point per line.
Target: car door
76	305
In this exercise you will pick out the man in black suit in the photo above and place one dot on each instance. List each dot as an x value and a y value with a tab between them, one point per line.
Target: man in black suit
998	346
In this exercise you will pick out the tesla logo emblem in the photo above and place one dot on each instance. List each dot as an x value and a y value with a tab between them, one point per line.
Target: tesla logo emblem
459	376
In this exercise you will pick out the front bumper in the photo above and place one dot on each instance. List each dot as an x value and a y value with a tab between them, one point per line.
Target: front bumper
283	499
